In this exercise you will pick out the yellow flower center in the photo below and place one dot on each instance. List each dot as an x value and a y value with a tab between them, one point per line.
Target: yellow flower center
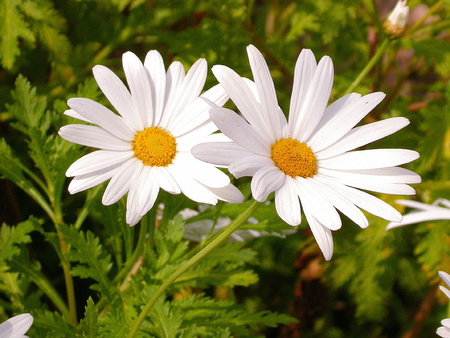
294	158
155	147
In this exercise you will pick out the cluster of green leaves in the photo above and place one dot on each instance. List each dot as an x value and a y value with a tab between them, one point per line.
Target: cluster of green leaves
378	281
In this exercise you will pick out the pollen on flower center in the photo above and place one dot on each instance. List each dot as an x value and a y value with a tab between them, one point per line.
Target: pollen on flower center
155	147
294	158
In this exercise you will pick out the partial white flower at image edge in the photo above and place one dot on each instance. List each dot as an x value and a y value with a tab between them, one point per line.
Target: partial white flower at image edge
444	331
424	212
16	327
147	146
308	160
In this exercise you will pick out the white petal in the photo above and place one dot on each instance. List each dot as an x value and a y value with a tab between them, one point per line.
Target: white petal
174	78
202	172
333	109
316	202
315	102
140	88
197	113
187	92
92	136
344	121
363	200
287	203
443	332
145	189
322	234
248	166
102	116
157	74
363	135
446	292
446	322
166	181
417	205
190	187
445	277
116	93
121	181
266	93
342	204
384	175
421	216
304	71
384	180
84	182
266	180
16	326
220	153
236	128
74	114
229	194
369	159
244	100
98	160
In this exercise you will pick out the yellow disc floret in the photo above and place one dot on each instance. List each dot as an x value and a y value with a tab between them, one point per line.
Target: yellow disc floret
294	158
155	147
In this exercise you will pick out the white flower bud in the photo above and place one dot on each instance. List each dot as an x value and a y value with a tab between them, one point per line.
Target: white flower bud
395	23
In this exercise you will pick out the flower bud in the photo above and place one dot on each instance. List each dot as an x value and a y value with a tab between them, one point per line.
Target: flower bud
394	25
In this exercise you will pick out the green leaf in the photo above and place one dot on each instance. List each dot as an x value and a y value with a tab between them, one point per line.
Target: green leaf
433	245
52	325
13	27
89	325
12	169
207	316
12	236
48	26
94	262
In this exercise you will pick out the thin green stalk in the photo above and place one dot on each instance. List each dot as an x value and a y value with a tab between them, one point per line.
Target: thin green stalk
226	232
65	263
44	285
433	9
55	200
369	66
144	224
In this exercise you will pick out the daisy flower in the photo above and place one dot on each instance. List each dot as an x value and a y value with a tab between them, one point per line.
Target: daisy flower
424	212
306	160
444	331
16	327
148	145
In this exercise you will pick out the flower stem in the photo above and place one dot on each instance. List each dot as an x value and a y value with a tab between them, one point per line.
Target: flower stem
369	66
137	252
226	232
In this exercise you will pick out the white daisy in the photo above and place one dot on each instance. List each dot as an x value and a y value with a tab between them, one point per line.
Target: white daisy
16	327
307	161
444	331
424	212
148	146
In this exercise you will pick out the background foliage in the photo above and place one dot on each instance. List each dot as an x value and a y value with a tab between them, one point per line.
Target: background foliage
379	284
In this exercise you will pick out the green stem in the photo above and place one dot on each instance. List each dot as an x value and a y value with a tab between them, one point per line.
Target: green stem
226	232
137	252
70	289
43	284
420	22
369	66
65	249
